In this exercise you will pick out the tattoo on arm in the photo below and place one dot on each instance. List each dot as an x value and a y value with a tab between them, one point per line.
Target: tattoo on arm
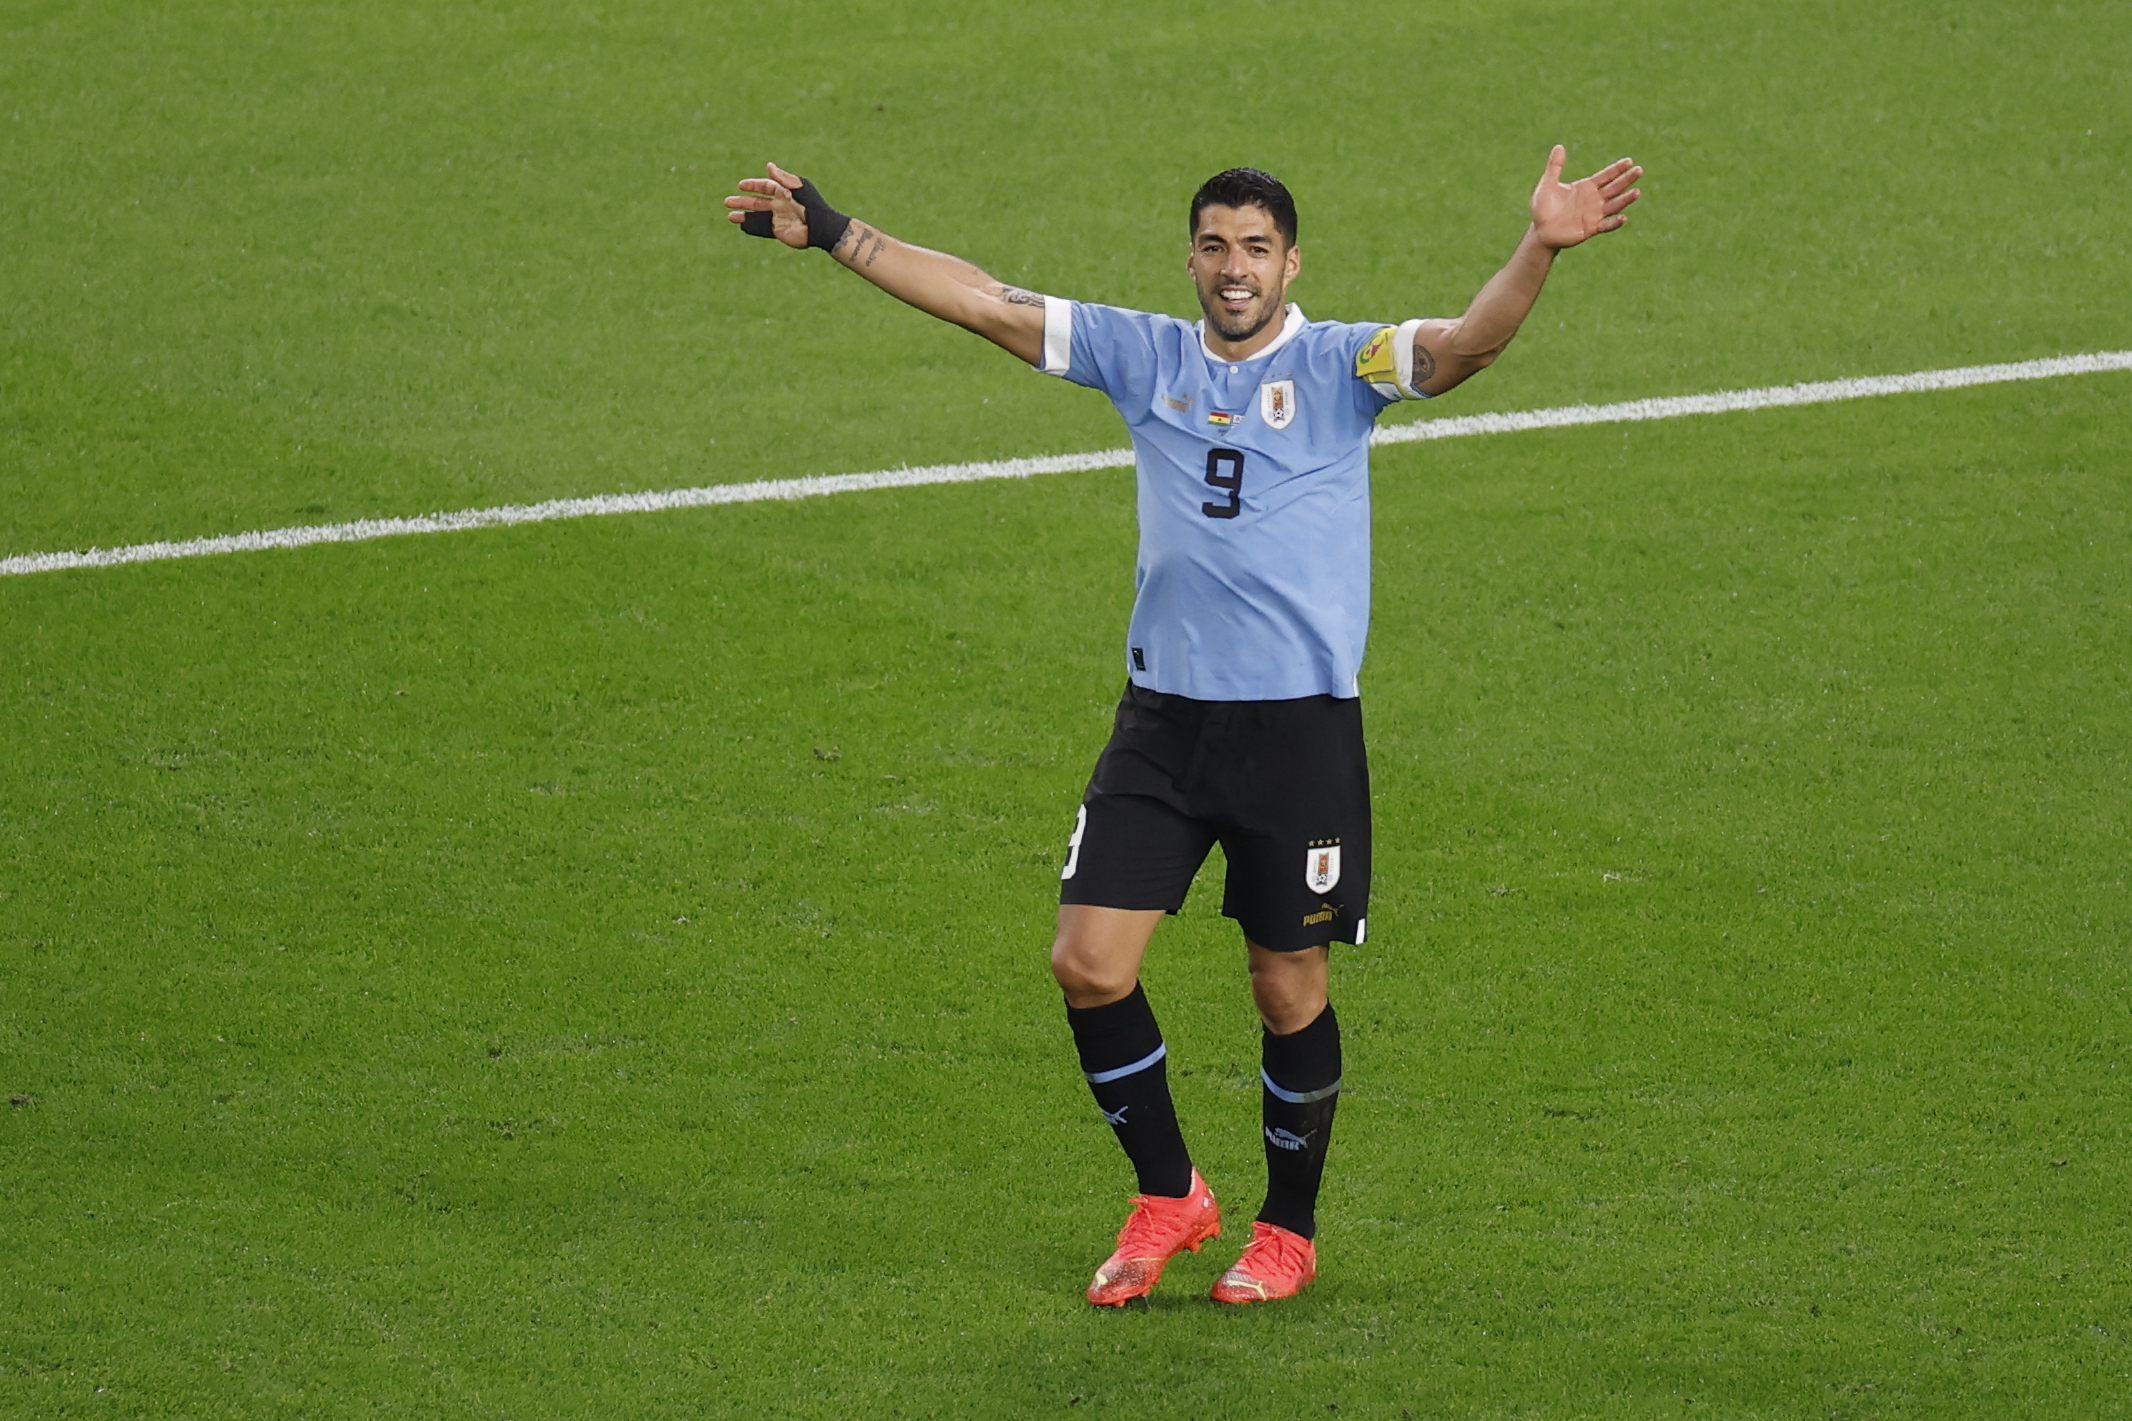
1015	296
1424	364
861	245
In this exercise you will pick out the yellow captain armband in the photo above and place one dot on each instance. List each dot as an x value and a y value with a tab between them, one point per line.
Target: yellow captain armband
1375	364
1387	362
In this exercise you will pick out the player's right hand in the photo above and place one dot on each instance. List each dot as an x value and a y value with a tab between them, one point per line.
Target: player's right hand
773	195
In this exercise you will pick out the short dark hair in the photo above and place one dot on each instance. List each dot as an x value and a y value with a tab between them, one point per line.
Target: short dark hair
1247	187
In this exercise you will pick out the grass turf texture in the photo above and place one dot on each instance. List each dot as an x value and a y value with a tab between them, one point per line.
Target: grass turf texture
1750	790
1750	943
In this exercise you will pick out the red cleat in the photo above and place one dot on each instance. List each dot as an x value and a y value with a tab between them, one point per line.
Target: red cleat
1276	1264
1160	1228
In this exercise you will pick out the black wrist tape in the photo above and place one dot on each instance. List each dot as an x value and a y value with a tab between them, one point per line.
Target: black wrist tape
825	225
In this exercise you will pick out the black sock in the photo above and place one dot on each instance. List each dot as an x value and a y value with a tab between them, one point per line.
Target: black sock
1122	1056
1301	1080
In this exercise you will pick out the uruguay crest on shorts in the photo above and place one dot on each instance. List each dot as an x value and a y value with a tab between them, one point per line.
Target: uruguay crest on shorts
1276	403
1321	866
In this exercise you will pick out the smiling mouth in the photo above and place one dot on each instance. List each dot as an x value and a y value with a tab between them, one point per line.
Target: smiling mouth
1237	309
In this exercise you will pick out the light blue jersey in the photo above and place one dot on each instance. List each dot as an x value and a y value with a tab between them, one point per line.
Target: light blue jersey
1254	572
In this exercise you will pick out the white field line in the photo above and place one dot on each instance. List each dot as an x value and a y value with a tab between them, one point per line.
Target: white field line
1723	402
1820	392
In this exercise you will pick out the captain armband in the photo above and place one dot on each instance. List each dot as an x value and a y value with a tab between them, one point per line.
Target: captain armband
1387	362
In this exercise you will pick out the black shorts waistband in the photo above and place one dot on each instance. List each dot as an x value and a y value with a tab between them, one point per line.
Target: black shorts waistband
1170	700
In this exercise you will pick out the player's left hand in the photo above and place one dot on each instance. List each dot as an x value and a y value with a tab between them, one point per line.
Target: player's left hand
1564	214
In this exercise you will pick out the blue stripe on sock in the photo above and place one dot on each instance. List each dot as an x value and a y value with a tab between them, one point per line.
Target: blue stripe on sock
1295	1097
1102	1077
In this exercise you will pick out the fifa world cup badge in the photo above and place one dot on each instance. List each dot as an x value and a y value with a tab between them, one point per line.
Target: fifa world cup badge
1321	866
1276	403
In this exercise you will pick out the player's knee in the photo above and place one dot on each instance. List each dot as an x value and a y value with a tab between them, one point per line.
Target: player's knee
1086	979
1290	991
1286	1014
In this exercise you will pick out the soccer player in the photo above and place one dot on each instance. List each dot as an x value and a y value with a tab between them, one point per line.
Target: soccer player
1241	723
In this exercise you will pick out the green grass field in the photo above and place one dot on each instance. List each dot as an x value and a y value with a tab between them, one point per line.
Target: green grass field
597	969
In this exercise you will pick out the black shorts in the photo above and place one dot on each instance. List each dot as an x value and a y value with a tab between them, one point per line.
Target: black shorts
1282	786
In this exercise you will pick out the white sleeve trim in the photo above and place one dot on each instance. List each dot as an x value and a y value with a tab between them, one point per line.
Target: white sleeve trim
1058	336
1403	356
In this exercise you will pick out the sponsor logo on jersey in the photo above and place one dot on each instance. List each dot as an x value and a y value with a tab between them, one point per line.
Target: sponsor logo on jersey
1321	865
1222	418
1178	402
1276	403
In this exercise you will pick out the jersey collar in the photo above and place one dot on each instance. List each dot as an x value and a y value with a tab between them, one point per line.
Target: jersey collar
1289	330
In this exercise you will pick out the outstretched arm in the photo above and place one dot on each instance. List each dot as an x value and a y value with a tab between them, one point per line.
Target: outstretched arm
1563	215
936	283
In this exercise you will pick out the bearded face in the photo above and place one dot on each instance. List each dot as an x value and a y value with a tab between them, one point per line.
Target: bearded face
1242	266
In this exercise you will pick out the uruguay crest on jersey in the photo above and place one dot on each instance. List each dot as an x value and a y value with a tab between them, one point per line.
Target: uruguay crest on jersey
1276	403
1321	866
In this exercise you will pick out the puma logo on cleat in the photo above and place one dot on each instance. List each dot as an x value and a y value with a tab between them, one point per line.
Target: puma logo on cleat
1288	1140
1115	1117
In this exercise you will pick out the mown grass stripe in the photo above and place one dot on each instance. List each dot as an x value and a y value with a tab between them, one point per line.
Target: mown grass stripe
765	490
